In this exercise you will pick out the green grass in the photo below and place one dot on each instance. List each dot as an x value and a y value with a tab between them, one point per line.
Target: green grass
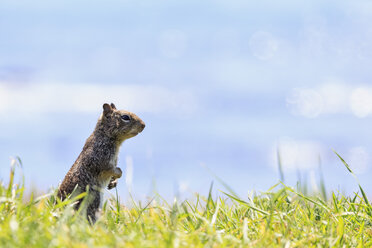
280	217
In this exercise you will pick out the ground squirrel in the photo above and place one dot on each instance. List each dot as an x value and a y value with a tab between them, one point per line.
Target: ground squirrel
95	168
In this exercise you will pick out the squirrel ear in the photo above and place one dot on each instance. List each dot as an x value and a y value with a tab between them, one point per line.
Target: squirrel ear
113	106
106	109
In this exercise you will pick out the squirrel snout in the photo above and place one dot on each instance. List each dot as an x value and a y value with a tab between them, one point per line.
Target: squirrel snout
142	125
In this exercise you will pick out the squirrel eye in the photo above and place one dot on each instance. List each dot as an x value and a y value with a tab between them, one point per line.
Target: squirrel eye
125	117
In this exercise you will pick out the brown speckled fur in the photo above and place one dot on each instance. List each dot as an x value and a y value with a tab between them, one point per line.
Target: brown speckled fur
96	165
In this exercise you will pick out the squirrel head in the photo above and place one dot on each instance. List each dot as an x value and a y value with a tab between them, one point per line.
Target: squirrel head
119	124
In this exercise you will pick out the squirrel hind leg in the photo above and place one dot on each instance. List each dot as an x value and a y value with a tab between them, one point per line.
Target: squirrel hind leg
93	207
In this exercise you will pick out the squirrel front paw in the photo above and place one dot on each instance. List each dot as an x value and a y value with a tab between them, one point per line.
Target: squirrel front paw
114	179
112	184
117	173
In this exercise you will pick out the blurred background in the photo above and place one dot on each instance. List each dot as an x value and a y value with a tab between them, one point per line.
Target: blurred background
222	86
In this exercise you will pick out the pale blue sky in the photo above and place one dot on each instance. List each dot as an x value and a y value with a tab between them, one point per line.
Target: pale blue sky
220	84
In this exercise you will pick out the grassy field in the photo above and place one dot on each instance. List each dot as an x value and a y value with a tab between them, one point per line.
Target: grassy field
281	217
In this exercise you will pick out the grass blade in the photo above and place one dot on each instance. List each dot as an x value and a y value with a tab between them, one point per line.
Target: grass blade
246	204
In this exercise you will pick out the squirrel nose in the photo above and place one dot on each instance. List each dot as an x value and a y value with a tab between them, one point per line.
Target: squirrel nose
143	125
